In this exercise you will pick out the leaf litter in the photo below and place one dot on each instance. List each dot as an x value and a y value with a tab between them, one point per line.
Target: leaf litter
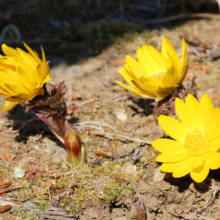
119	180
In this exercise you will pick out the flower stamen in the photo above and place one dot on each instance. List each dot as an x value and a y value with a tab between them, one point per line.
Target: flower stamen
197	142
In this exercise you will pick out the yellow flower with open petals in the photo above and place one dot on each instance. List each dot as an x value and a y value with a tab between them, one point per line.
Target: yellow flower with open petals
22	75
197	139
155	75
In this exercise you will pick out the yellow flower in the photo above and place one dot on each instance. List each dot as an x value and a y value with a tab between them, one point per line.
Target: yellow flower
197	139
22	75
155	75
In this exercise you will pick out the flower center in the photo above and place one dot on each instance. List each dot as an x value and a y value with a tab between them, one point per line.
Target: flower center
160	75
197	142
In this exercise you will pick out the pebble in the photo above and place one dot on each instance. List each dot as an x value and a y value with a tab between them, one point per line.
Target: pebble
19	173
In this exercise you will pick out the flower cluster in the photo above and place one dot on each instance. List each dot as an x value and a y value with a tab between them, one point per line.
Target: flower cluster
23	78
195	145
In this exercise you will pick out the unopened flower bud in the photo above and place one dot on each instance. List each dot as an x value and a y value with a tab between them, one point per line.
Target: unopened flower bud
75	148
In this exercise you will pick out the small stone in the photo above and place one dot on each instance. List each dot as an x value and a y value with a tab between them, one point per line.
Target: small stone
19	173
158	175
59	155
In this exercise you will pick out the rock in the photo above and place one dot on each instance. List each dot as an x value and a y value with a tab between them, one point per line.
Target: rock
158	175
51	146
19	173
59	155
74	69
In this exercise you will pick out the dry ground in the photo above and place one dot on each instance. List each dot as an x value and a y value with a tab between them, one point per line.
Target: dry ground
121	165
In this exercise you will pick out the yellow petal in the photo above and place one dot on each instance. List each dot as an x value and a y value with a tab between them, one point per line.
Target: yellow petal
215	144
171	77
146	88
142	58
10	52
151	81
150	61
135	91
184	67
162	93
199	174
184	168
185	115
172	127
135	66
213	160
206	109
32	52
9	104
126	76
192	103
43	69
26	74
214	130
167	49
158	57
165	145
170	167
175	157
199	160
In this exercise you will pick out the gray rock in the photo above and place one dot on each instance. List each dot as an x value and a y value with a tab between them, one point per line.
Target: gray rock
59	155
158	175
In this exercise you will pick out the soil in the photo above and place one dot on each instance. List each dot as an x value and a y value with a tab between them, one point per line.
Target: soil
120	128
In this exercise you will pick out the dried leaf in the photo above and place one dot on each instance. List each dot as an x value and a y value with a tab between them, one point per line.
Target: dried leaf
7	156
72	182
119	62
104	154
5	208
5	185
200	67
120	181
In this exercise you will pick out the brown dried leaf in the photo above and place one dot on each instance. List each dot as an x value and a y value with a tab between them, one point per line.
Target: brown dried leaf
119	62
5	208
120	181
200	67
104	154
7	156
72	182
5	185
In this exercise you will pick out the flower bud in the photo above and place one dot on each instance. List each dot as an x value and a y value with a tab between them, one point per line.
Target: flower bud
75	148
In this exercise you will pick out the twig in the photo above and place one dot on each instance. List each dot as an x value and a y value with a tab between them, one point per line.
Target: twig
98	99
126	137
49	191
10	189
20	200
96	123
91	100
